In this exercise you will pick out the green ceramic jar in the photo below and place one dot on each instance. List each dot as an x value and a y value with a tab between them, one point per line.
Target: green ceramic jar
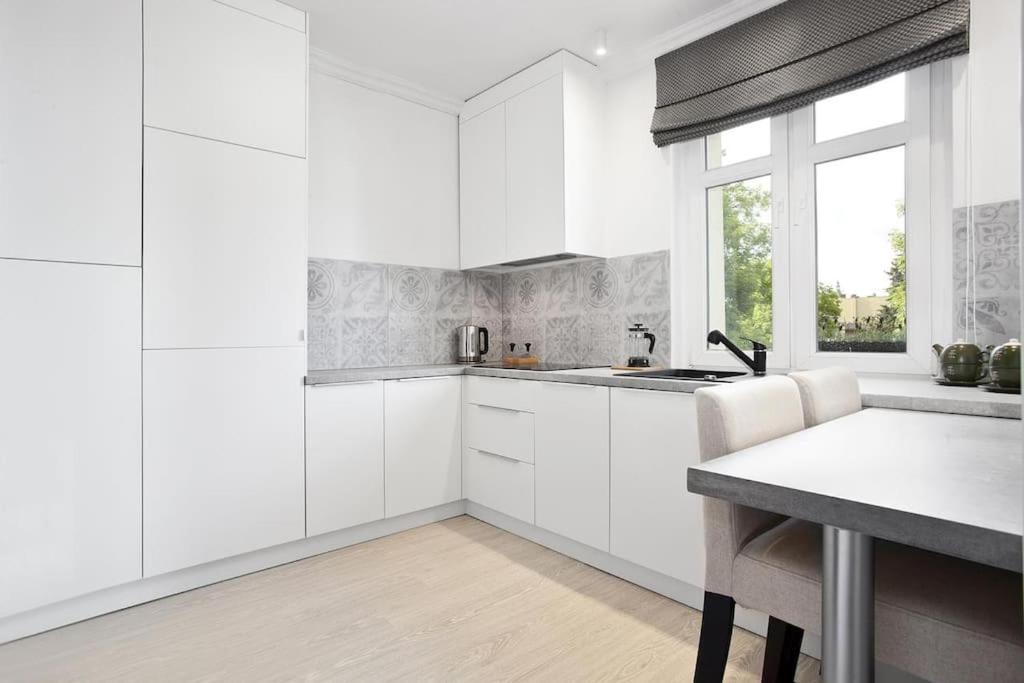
963	362
1005	365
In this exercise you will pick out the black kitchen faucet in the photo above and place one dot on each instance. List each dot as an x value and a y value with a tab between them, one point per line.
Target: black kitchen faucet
758	363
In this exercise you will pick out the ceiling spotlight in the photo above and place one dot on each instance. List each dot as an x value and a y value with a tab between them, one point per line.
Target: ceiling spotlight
602	43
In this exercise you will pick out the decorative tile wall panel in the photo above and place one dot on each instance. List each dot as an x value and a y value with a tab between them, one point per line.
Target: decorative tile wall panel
994	301
369	314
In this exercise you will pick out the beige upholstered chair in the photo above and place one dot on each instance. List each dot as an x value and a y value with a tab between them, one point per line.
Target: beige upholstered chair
827	394
938	617
730	418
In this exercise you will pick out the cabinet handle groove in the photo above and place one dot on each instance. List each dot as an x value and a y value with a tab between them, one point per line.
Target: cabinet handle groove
422	379
501	408
496	455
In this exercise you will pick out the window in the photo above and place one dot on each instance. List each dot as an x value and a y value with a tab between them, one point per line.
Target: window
861	253
810	232
742	143
873	106
740	259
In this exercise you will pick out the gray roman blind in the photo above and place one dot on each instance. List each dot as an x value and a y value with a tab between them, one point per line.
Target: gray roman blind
795	53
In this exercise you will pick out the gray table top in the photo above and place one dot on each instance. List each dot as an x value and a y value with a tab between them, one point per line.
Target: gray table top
953	484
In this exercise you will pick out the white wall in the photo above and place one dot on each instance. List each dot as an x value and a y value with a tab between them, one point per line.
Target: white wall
638	194
990	80
383	177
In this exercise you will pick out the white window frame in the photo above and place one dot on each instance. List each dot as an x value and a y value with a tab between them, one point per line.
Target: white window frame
697	179
925	135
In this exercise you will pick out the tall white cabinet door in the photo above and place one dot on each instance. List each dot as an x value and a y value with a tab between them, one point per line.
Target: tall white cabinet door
222	454
571	461
344	455
655	521
70	111
70	431
482	188
422	443
225	258
536	171
224	73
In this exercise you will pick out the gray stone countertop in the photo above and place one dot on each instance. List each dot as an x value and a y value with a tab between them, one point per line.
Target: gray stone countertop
901	392
947	483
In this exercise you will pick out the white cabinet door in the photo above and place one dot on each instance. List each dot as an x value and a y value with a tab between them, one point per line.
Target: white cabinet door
219	72
70	111
70	431
344	455
225	258
500	483
571	461
482	189
655	521
222	454
422	443
536	172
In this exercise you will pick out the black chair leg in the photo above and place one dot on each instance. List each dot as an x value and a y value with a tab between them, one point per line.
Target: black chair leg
782	652
715	636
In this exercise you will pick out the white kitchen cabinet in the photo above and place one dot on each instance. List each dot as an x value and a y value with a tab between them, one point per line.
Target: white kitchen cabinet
498	392
71	102
70	432
222	453
422	443
501	431
571	466
482	181
536	188
553	155
344	455
655	521
498	482
225	234
224	72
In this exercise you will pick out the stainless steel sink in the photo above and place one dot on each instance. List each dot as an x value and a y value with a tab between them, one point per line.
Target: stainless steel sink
689	373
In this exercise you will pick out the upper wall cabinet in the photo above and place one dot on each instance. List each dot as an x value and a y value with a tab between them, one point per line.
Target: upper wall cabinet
531	156
230	71
70	152
482	189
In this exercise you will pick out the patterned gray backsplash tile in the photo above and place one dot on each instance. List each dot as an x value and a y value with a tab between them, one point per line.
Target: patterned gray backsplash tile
368	314
995	297
578	312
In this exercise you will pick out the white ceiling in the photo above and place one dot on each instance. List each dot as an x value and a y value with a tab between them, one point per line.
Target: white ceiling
456	48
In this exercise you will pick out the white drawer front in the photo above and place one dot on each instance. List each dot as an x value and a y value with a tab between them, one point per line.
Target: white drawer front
516	394
500	431
499	483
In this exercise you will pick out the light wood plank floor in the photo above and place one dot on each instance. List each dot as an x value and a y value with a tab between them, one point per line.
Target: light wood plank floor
455	601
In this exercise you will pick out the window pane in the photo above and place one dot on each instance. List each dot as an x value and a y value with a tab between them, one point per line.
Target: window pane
873	106
740	260
862	259
742	143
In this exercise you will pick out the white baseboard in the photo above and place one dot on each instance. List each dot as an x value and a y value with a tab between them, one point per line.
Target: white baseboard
144	590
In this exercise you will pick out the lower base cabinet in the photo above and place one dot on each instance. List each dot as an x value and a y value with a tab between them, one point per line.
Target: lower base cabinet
344	455
70	431
222	453
498	482
422	443
655	521
571	461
